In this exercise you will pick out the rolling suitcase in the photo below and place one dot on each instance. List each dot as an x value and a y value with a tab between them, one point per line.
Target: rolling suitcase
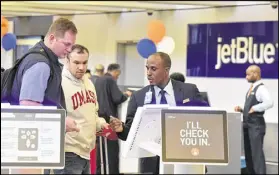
105	134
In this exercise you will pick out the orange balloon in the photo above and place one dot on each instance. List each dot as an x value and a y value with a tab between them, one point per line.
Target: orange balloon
4	26
156	31
4	30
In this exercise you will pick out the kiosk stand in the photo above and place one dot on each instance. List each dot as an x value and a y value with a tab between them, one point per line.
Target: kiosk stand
32	139
186	137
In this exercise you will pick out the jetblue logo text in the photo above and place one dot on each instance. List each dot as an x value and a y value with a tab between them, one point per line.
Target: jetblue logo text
242	50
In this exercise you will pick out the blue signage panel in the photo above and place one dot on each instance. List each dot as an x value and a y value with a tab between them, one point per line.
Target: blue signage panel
227	49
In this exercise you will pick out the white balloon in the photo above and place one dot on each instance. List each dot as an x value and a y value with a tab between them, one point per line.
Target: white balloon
167	45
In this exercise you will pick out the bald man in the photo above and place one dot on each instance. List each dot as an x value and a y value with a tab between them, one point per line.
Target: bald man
257	101
98	72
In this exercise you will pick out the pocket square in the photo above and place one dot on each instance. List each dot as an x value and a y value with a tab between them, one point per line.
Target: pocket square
186	100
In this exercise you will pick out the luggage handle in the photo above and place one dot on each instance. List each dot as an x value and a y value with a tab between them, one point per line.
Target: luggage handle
106	154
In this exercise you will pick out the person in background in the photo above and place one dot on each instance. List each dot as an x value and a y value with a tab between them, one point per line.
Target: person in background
177	76
88	73
109	97
82	106
162	90
257	101
98	72
180	77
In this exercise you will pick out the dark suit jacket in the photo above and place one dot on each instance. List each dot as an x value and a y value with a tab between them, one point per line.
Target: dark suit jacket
109	96
181	90
93	78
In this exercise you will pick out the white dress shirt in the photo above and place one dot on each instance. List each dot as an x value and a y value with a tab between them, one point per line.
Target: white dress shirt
263	96
169	94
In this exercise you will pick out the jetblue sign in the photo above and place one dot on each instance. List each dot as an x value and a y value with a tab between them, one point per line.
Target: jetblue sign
253	53
227	49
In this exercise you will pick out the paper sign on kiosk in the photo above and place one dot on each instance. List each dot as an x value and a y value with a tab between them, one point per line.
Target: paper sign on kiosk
194	136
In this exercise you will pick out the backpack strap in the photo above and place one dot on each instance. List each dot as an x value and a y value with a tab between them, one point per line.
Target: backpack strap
18	62
13	70
42	52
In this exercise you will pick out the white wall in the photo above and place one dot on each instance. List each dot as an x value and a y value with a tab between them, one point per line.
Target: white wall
100	34
7	56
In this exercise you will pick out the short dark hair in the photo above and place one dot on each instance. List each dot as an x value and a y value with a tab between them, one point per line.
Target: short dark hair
177	76
88	71
165	57
113	66
2	69
79	48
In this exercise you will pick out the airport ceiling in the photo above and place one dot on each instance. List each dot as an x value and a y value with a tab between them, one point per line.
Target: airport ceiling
40	8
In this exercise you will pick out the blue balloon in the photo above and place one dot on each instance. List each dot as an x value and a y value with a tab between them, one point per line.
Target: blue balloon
146	47
9	41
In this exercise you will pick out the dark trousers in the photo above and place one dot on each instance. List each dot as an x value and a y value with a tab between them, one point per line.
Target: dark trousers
149	165
253	132
113	156
74	164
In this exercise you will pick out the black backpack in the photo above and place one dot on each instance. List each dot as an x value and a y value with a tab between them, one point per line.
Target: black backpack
8	76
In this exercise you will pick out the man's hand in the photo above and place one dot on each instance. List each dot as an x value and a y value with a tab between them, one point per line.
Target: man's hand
71	125
105	126
116	124
238	109
251	111
129	93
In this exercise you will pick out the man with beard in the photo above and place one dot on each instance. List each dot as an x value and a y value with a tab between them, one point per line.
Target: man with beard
82	106
257	101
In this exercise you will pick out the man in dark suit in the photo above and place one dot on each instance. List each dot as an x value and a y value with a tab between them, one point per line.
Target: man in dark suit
109	97
162	90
